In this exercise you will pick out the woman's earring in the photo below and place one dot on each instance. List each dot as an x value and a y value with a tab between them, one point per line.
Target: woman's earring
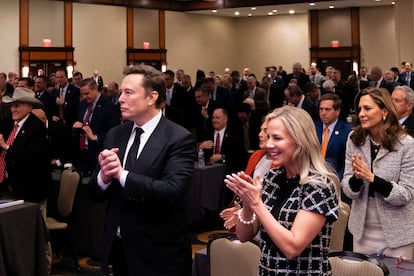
384	118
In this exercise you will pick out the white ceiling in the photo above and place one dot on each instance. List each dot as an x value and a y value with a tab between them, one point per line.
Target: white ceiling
298	8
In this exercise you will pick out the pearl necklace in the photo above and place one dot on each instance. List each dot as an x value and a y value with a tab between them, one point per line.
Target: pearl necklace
374	143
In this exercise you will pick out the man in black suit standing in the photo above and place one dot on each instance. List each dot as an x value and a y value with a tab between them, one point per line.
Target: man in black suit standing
144	173
24	164
403	99
204	114
97	115
67	99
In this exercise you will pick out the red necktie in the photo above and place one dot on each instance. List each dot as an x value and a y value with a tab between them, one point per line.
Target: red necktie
9	142
217	146
85	123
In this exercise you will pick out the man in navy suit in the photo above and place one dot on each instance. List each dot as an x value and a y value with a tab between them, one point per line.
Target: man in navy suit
407	76
144	172
329	110
97	115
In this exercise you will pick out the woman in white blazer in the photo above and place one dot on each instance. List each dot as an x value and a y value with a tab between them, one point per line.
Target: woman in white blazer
379	178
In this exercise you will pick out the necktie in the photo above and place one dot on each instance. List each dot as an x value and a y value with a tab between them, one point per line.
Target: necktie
133	151
325	141
61	106
9	142
85	122
168	98
217	146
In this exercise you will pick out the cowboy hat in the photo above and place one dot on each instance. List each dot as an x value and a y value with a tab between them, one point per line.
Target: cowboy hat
23	95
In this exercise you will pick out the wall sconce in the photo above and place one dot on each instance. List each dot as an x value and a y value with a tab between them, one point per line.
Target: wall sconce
163	68
69	68
25	71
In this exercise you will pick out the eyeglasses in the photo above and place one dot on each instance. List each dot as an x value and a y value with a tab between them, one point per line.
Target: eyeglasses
403	264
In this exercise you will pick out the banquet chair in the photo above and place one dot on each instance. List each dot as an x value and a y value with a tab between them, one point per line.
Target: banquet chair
341	267
233	258
69	182
339	227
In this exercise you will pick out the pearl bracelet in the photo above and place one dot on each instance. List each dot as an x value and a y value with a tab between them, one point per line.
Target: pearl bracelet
246	222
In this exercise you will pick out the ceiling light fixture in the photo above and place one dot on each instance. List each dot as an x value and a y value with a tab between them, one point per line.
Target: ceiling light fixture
236	13
274	11
270	13
249	15
214	11
312	4
291	12
253	8
331	6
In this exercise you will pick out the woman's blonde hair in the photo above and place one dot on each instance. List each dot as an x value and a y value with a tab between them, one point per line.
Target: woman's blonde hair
307	155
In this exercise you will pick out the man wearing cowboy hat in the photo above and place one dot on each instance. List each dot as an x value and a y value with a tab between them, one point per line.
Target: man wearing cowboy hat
24	164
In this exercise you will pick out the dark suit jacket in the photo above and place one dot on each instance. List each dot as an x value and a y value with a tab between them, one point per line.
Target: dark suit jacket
150	209
71	107
309	106
384	84
403	81
233	149
408	124
302	79
104	117
181	107
27	161
60	143
335	152
49	103
224	99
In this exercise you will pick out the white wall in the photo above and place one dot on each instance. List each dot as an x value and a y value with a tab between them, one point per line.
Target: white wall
99	39
9	43
378	42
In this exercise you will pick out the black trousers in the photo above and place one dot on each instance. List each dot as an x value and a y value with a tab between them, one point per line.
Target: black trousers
117	258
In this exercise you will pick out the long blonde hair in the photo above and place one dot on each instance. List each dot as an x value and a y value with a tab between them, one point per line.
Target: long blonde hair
307	155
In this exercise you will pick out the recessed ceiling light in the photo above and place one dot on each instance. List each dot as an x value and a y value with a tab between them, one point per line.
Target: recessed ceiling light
214	11
253	8
311	4
291	12
393	3
249	15
377	0
236	13
270	13
274	11
331	6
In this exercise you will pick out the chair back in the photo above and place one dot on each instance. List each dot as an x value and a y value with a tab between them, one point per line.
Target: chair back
69	182
339	227
233	258
341	267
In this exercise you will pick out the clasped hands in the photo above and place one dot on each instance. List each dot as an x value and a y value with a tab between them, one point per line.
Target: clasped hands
361	169
111	167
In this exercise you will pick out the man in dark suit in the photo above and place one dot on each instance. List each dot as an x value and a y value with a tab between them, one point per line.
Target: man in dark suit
97	115
204	114
179	104
403	100
258	94
220	94
378	80
225	144
145	178
294	96
337	133
24	167
45	97
407	76
67	99
297	74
